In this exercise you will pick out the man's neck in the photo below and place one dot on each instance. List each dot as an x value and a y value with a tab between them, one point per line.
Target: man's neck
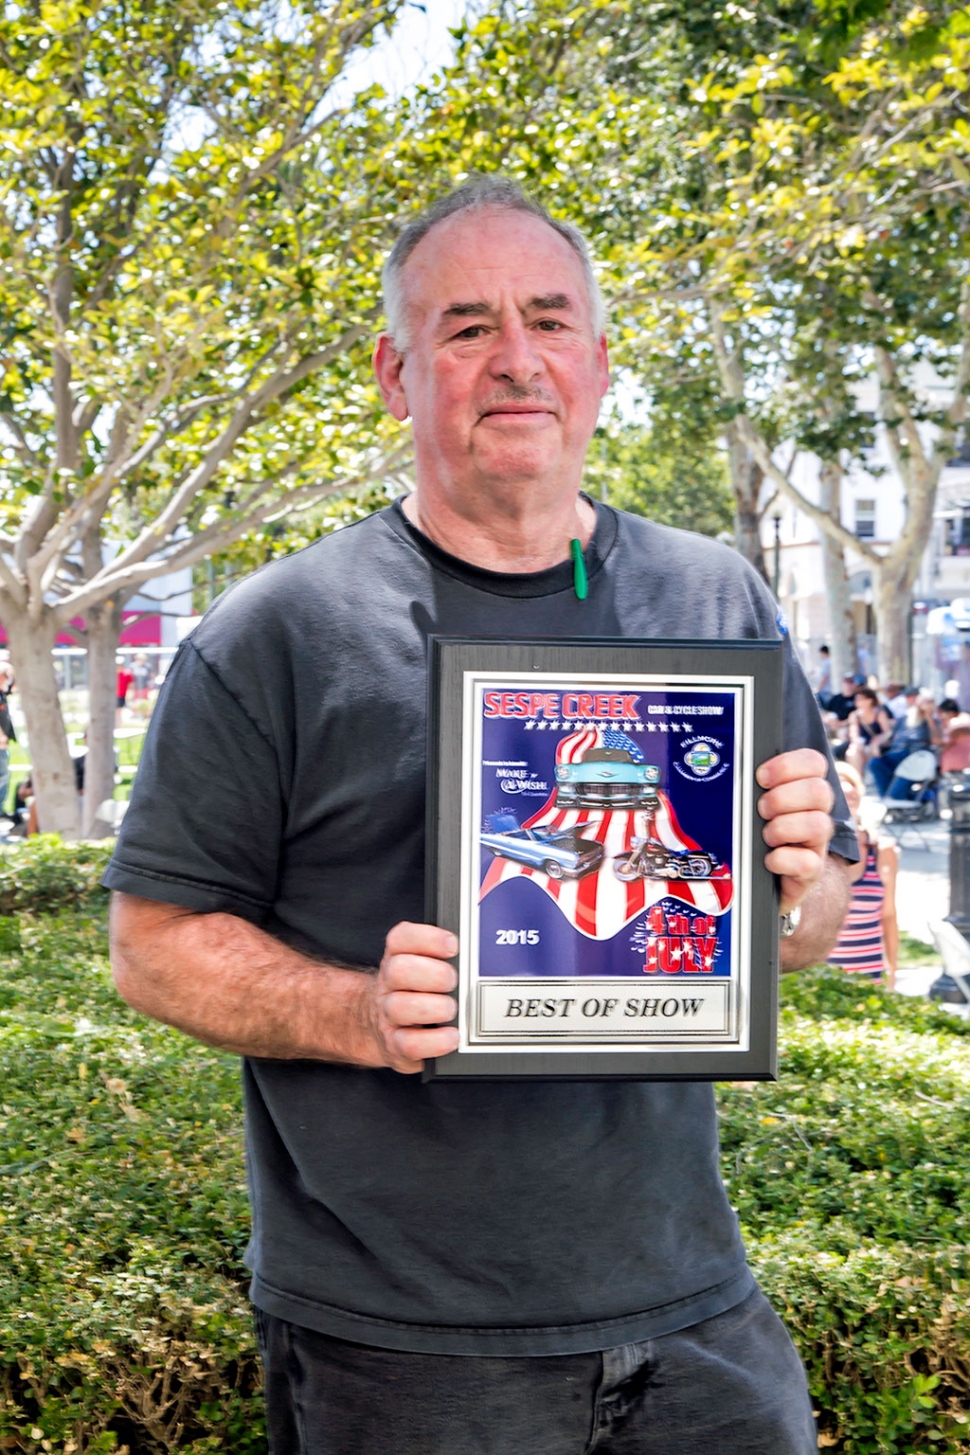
516	544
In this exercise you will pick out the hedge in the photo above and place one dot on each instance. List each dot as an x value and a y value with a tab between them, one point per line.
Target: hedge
124	1324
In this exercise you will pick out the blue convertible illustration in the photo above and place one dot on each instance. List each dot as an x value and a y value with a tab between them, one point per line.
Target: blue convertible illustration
607	778
561	853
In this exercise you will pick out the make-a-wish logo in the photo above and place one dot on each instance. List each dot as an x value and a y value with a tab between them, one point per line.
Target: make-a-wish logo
701	761
524	785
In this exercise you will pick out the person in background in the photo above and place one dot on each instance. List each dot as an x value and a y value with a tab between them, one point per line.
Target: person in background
896	697
870	726
124	681
142	674
841	703
955	726
918	729
868	942
823	683
7	734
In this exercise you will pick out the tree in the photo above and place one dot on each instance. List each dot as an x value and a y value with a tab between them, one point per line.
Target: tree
664	471
742	171
189	222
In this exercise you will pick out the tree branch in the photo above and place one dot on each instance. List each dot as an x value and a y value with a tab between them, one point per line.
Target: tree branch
116	577
245	416
832	528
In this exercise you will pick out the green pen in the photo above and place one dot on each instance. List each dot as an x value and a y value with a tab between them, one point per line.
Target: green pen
580	583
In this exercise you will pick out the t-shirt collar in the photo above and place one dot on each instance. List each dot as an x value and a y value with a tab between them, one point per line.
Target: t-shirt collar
501	583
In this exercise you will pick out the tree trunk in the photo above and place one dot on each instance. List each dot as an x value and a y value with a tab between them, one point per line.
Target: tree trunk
844	645
892	604
52	771
746	481
103	629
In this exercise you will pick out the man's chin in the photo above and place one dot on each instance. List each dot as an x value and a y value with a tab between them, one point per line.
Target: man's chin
523	464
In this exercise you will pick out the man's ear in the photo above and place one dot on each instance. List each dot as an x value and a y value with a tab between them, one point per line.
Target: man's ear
388	364
602	364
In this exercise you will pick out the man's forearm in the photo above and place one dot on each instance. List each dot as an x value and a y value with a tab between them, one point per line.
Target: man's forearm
226	982
823	910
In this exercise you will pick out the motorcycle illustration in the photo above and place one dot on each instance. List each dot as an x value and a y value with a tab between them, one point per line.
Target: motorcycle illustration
650	859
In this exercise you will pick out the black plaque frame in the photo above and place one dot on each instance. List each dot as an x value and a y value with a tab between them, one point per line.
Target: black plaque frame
755	669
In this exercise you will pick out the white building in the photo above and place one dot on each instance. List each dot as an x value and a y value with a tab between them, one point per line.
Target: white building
873	507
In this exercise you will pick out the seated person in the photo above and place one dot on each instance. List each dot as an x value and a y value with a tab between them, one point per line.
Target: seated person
870	727
841	703
918	729
955	727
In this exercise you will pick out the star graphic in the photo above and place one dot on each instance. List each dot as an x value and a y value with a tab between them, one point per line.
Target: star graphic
665	727
541	725
651	727
675	727
531	723
555	723
675	952
638	727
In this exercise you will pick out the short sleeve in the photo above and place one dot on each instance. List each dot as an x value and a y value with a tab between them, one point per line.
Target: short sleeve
803	728
204	823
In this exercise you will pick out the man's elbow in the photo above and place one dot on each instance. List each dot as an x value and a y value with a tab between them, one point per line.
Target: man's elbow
135	929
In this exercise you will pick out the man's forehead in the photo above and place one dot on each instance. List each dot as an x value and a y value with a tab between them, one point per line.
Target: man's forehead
471	262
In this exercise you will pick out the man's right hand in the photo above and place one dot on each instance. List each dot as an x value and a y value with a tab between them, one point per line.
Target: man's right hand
410	997
227	982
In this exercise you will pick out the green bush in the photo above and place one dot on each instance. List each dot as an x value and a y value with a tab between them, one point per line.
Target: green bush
124	1324
44	874
851	1176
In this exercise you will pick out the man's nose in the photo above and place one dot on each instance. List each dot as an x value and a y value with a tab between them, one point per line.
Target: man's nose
515	355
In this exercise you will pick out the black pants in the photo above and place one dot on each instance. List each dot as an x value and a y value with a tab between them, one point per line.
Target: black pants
732	1385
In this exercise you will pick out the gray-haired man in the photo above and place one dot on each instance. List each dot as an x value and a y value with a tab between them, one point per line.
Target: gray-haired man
459	1269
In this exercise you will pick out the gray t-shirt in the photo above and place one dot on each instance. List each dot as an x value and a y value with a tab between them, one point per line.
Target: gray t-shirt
283	780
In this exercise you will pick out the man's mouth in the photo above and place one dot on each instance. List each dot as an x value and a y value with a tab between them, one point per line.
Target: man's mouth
528	411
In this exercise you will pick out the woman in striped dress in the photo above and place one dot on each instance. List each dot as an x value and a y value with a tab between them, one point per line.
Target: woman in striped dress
868	942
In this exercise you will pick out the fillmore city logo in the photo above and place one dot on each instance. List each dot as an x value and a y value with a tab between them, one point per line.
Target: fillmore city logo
701	761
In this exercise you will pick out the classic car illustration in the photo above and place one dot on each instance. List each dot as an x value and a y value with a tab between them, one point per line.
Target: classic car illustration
650	859
561	853
607	778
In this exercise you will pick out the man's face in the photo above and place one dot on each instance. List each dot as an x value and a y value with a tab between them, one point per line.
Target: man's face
503	375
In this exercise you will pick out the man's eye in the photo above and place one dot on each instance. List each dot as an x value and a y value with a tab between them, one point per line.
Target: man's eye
474	330
550	325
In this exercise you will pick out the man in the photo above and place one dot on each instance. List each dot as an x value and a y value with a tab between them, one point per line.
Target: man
841	703
823	681
482	1268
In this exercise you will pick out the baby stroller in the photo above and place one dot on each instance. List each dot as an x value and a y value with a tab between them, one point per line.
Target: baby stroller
912	796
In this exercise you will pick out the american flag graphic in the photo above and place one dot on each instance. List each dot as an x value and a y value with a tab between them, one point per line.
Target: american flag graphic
600	904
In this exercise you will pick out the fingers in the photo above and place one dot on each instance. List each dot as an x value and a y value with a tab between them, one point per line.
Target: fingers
414	1005
796	808
811	829
797	794
409	1049
787	767
412	939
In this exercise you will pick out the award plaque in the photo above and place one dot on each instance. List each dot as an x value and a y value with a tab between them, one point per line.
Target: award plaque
594	842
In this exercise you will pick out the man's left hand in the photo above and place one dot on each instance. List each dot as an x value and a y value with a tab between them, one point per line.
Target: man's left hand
796	806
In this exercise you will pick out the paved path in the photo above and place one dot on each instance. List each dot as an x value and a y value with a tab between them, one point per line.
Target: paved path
923	888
